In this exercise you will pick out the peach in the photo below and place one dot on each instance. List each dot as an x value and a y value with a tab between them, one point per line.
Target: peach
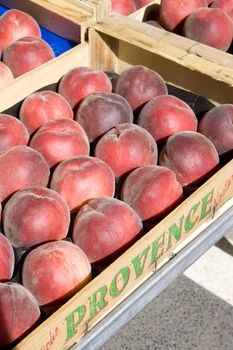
80	82
59	268
191	155
217	125
154	23
20	167
105	227
27	53
225	5
60	139
7	259
19	313
16	24
82	178
12	132
6	74
172	13
166	115
43	106
102	111
152	191
209	26
35	215
124	7
126	147
141	3
139	84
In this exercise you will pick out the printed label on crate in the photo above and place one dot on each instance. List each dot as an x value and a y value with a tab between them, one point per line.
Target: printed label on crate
70	323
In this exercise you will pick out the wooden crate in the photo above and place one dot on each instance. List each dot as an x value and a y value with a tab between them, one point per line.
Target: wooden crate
115	44
208	53
66	18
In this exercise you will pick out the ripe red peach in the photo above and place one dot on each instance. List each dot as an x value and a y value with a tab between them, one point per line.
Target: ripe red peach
209	26
27	53
217	125
7	259
225	5
6	74
102	111
82	178
19	312
124	7
16	24
80	82
35	215
191	155
126	147
12	132
60	269
166	115
20	167
105	227
60	139
172	13
139	84
43	106
152	191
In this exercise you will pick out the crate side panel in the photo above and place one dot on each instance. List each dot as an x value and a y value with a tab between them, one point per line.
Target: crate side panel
63	19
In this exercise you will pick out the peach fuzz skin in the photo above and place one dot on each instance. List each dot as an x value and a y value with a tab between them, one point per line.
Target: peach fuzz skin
225	5
140	84
101	111
16	24
191	155
27	53
152	191
19	312
7	259
124	7
20	167
166	115
35	215
126	147
61	262
6	74
80	82
105	226
173	13
217	125
12	132
41	107
209	26
60	139
82	178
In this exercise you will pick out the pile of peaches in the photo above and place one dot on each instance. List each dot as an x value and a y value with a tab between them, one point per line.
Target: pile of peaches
83	170
21	45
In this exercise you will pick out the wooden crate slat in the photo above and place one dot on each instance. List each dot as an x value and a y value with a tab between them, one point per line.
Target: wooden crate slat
137	43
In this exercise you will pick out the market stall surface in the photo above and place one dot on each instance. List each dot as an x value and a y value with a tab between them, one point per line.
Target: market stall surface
195	312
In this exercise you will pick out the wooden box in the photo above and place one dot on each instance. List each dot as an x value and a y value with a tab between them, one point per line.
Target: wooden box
114	45
66	18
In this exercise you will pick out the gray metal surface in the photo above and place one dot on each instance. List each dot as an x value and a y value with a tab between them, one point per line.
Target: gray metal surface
152	288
